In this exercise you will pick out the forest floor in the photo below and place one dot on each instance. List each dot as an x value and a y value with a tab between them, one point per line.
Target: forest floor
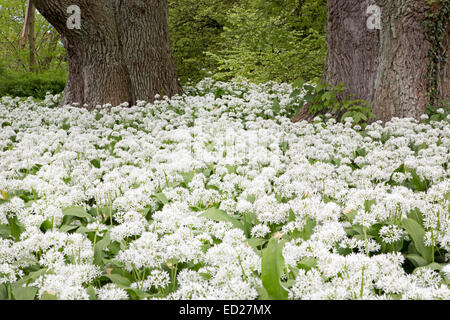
216	194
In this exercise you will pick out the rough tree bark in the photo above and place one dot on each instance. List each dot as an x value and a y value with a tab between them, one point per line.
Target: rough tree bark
122	53
387	66
400	84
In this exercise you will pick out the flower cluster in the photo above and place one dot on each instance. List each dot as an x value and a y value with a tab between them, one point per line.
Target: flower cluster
177	199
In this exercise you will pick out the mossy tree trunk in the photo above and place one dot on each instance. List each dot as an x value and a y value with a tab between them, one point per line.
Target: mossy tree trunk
121	53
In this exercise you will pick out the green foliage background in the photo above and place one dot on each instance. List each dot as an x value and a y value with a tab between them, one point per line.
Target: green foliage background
260	40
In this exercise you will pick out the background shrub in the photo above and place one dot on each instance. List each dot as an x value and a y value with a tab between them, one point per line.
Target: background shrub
31	84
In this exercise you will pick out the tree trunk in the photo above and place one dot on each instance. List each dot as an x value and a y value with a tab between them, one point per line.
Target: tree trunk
400	84
352	47
122	52
32	37
386	66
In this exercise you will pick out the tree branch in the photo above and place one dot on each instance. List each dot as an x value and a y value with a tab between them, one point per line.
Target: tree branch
26	26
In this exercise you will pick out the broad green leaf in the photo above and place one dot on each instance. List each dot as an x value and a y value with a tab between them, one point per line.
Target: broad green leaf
119	280
417	234
5	230
3	292
16	227
263	295
99	247
276	106
435	266
78	212
162	197
91	292
32	276
4	194
67	228
231	169
137	293
368	204
219	215
46	225
307	263
187	176
48	296
205	275
308	230
295	93
272	266
173	184
83	229
416	214
400	169
417	182
255	243
447	196
23	293
251	198
416	260
249	221
96	163
292	216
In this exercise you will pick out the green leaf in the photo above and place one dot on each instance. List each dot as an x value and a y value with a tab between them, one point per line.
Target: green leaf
32	276
91	292
400	169
263	295
5	230
48	296
119	280
231	169
447	196
295	93
308	230
83	229
416	181
99	247
272	266
417	234
3	292
255	243
276	106
24	293
16	227
98	116
298	83
187	176
205	276
162	197
139	294
416	214
416	260
435	266
307	263
219	215
309	97
368	204
78	212
96	163
251	198
46	225
67	228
